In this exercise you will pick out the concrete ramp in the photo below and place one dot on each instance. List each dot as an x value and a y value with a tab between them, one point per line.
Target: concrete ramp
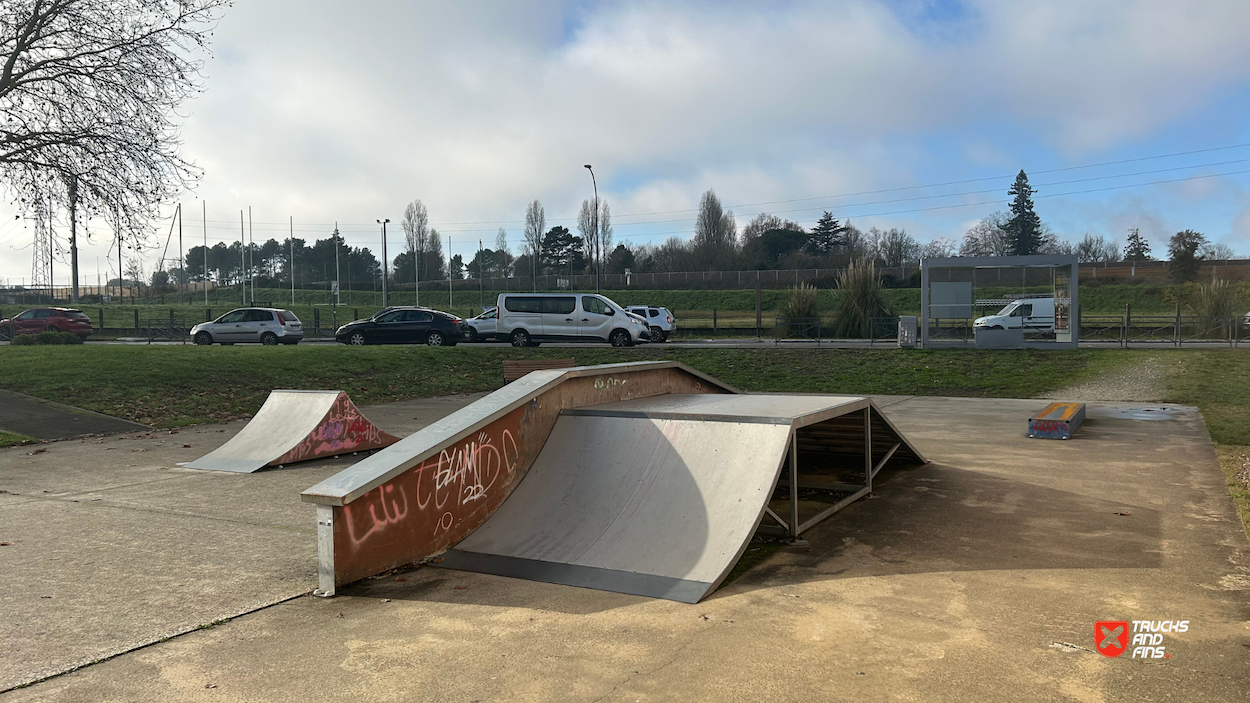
296	426
660	496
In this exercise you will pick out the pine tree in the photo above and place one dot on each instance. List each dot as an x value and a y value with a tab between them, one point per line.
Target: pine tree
1183	247
826	235
1024	226
1137	248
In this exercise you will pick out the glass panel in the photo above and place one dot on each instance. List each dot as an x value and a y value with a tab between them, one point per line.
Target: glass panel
1063	303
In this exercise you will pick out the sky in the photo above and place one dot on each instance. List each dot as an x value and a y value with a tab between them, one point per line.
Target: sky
889	113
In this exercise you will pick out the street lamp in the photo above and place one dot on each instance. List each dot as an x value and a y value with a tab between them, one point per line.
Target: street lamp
385	301
595	224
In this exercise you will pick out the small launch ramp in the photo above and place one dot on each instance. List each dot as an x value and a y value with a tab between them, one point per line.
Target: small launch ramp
296	426
660	496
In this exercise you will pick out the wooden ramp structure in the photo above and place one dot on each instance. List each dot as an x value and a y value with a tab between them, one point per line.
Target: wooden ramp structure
645	478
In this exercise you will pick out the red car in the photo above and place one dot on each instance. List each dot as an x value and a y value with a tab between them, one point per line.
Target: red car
38	320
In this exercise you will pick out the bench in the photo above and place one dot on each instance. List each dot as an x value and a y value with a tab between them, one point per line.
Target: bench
512	370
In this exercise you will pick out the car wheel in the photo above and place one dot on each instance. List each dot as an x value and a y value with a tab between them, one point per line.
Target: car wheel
203	338
472	335
435	339
53	328
357	339
269	339
520	338
620	338
657	334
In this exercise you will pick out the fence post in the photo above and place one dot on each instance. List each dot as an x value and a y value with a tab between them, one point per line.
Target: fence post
1128	323
759	319
171	318
355	313
316	320
136	320
208	314
101	318
713	321
1177	327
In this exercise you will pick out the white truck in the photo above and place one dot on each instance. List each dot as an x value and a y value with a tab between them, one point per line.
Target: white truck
1031	314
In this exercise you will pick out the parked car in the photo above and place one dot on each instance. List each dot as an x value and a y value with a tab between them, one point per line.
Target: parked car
38	320
482	328
1033	314
406	325
267	326
528	319
659	319
1246	320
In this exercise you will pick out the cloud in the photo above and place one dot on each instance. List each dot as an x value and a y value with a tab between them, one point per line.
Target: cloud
328	111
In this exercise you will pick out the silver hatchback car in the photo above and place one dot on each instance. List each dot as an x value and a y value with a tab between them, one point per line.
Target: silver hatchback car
251	325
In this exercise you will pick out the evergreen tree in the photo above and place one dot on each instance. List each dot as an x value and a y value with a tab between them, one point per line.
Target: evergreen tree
1137	248
1024	226
826	235
1183	250
562	252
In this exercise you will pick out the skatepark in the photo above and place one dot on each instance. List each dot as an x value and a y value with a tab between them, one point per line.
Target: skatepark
979	561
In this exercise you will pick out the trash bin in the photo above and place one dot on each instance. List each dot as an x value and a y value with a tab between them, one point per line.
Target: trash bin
907	326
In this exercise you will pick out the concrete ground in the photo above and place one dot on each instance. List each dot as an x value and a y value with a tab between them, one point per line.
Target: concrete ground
109	545
978	576
44	419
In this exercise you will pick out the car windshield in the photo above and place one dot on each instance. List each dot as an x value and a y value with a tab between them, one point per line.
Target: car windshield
1007	308
611	302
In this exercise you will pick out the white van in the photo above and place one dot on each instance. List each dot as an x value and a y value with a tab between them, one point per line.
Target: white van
529	318
1032	314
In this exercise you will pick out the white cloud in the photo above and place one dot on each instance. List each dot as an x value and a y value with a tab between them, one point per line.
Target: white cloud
332	111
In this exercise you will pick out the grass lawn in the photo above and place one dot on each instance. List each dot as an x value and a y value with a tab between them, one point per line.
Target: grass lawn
13	439
169	386
1218	382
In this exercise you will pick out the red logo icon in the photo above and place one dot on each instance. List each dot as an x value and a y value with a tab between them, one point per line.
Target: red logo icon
1111	636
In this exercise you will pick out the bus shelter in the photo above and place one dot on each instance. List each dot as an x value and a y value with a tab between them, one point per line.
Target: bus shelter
956	291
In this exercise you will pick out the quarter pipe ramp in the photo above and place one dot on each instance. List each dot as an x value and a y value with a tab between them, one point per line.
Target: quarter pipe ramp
296	426
655	497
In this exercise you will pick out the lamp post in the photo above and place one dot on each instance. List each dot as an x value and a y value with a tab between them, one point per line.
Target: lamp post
595	224
385	302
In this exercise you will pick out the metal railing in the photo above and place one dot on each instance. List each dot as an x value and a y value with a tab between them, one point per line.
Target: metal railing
162	329
797	329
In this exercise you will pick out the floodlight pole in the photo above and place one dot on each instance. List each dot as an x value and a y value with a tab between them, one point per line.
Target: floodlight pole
595	224
385	299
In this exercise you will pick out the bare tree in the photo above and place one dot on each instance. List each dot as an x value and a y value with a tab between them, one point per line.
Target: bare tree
89	97
938	248
715	233
535	227
416	224
894	247
989	237
1095	248
596	232
501	241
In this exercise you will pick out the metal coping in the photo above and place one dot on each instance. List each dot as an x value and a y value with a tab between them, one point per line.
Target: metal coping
371	472
1059	412
628	582
851	404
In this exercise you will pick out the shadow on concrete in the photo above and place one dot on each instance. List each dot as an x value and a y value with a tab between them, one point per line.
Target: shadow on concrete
44	419
938	518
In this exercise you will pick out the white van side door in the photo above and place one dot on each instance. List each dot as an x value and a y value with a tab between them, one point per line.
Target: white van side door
595	317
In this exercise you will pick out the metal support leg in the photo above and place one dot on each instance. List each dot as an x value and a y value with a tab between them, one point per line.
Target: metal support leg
868	448
794	485
325	550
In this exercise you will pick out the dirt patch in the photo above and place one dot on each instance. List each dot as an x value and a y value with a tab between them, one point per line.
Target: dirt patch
1145	380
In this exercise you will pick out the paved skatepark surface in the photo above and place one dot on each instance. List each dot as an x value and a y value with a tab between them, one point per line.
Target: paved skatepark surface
977	576
44	419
